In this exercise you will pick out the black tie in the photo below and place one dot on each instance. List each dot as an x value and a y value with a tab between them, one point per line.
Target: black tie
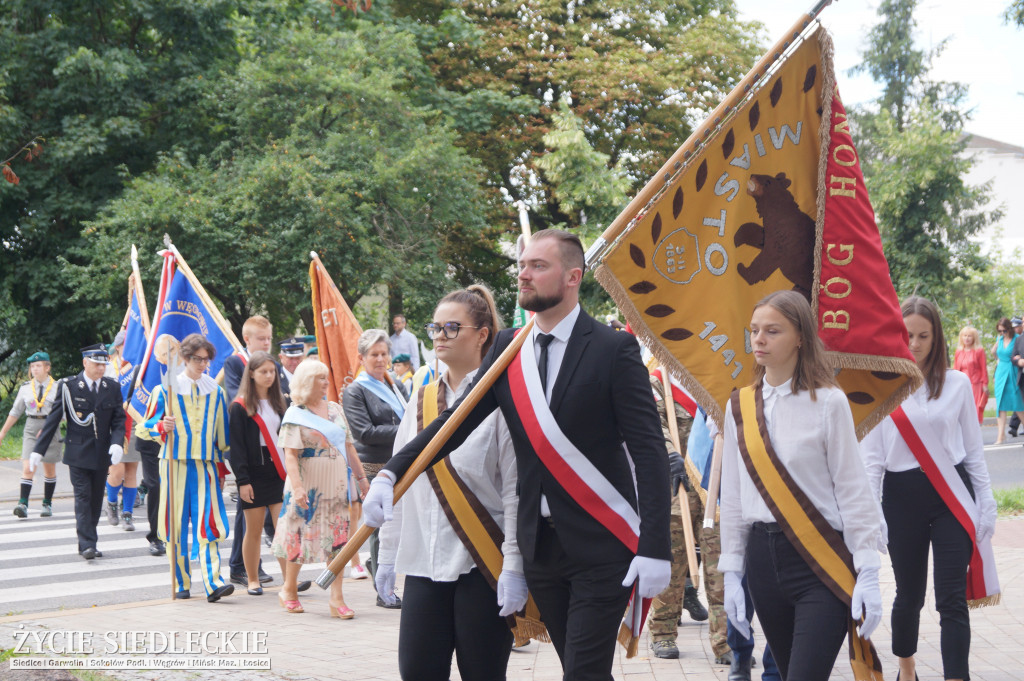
96	388
542	365
40	398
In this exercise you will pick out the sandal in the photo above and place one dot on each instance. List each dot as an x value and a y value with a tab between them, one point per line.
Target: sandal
290	606
344	612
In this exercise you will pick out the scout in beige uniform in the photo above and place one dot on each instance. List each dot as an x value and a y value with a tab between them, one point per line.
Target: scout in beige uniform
35	399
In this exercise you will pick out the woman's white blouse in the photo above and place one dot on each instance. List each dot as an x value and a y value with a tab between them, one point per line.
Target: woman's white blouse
817	443
272	419
953	418
420	540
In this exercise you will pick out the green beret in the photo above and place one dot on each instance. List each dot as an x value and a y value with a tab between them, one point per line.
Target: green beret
400	358
38	357
312	351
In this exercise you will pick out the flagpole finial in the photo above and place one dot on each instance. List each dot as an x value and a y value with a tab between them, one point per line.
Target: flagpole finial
135	253
313	255
167	241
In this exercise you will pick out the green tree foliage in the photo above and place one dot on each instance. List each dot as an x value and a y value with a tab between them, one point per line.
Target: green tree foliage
325	149
911	144
637	74
1015	12
106	85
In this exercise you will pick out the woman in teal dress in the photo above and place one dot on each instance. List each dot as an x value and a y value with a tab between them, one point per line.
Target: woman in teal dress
1008	396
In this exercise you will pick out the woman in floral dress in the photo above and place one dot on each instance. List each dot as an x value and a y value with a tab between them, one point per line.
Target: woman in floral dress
313	525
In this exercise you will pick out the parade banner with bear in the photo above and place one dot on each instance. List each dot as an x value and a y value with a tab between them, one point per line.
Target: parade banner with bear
772	199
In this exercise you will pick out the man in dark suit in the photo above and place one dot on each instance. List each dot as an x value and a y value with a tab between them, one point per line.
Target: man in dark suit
599	394
95	436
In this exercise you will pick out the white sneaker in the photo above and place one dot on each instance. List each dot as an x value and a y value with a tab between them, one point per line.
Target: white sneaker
357	572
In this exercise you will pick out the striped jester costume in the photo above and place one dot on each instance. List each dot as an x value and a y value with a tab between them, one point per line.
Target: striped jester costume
196	454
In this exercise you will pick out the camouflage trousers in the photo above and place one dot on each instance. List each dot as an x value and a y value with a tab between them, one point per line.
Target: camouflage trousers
667	606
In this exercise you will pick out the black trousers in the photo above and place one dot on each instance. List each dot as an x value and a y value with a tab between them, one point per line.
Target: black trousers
918	519
582	605
804	623
149	453
439	618
90	492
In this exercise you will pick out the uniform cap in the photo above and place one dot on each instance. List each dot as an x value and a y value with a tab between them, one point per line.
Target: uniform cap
291	347
38	357
96	353
400	358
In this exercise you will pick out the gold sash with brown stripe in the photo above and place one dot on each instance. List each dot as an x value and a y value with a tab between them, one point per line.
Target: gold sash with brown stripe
819	543
473	525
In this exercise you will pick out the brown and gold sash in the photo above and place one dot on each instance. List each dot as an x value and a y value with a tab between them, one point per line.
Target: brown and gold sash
472	523
803	524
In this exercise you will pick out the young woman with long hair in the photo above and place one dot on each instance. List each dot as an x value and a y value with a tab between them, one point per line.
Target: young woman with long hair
792	483
927	461
254	419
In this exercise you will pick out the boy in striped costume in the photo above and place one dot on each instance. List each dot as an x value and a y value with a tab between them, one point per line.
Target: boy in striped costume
194	433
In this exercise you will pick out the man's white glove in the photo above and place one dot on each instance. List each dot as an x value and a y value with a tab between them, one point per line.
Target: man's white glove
378	506
384	580
883	537
33	460
987	519
512	592
735	601
867	600
651	575
116	454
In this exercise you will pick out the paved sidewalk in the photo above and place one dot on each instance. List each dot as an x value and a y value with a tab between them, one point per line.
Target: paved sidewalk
314	646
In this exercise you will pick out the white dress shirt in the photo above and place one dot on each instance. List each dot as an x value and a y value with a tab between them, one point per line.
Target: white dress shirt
556	353
953	418
816	442
205	384
406	343
420	540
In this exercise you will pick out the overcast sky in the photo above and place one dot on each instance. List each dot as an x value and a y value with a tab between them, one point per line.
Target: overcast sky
983	52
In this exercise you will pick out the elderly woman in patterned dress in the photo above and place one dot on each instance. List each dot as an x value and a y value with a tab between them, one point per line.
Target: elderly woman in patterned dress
314	520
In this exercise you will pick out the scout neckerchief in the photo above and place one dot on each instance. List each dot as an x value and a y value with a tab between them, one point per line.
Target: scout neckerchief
271	444
803	524
577	475
385	391
473	525
982	581
40	401
301	416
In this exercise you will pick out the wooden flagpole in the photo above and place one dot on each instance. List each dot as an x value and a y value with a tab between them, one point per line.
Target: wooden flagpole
683	155
172	538
221	323
714	481
427	455
143	310
684	499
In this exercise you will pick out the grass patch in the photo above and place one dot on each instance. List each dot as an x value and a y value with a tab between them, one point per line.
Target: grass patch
6	654
11	446
1010	501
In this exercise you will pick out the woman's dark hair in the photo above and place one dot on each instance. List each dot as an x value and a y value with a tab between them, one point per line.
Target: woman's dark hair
812	368
247	386
1007	327
937	362
193	343
479	304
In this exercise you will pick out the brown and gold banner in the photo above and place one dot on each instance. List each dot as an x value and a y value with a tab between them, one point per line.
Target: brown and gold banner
774	190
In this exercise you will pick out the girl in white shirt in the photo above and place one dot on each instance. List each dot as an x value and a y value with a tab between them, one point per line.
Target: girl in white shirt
447	604
942	413
808	430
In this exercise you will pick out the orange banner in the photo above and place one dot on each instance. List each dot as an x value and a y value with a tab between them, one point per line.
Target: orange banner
337	331
752	212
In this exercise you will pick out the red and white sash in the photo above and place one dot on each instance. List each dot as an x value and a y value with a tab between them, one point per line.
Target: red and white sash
680	394
574	471
275	456
243	355
982	581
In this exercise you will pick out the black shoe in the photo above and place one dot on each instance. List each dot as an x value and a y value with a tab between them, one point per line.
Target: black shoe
304	586
1012	432
725	660
692	605
220	592
268	541
397	605
740	669
240	578
156	548
89	553
258	591
99	554
264	577
666	650
183	595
